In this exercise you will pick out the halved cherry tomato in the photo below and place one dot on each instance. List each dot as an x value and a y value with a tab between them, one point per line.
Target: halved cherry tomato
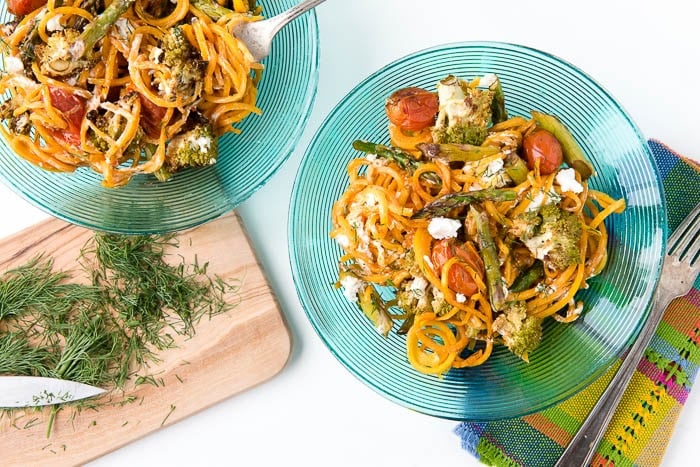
24	7
72	108
152	117
540	145
459	280
412	109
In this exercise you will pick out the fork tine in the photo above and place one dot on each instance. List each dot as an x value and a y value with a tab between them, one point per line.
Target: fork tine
685	237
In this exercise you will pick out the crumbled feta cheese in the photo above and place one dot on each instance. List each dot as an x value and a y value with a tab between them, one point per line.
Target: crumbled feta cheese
566	178
343	241
13	65
452	105
351	287
539	200
54	23
461	298
487	80
418	287
155	54
494	167
443	227
123	27
371	157
540	245
202	143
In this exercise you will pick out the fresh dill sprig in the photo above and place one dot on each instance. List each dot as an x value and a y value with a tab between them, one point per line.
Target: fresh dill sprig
35	287
102	333
18	357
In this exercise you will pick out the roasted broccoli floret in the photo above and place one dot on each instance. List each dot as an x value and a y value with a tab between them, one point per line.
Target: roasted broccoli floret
464	114
526	225
519	332
460	134
69	51
55	57
185	65
195	147
551	234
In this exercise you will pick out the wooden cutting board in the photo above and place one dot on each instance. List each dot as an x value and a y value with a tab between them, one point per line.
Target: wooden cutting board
228	354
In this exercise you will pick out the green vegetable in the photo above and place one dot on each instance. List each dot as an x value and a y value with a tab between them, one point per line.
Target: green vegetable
402	159
375	309
551	234
197	146
528	278
185	64
489	254
572	152
452	152
461	134
68	51
443	205
211	8
98	27
515	168
520	333
498	104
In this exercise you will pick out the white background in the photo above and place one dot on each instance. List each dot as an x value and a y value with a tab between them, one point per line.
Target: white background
314	412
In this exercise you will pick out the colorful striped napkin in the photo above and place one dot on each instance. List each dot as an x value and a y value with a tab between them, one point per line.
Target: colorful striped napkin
642	426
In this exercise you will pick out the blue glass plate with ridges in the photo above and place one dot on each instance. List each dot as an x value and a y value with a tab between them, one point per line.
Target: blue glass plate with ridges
246	161
570	356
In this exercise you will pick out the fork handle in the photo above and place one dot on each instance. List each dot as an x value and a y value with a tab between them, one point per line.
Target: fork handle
583	445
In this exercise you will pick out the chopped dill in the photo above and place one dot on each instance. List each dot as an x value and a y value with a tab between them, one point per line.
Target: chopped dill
139	297
172	409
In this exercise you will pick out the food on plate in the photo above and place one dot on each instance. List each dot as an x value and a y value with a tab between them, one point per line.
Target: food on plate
127	86
471	227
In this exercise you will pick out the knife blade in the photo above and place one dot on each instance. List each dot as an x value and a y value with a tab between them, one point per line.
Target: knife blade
36	391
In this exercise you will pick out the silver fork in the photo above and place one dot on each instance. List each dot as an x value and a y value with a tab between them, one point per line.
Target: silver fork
257	35
680	269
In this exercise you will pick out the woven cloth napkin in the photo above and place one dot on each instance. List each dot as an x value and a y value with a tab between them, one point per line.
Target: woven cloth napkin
643	423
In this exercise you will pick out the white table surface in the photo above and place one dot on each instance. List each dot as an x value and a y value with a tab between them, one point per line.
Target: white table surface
314	413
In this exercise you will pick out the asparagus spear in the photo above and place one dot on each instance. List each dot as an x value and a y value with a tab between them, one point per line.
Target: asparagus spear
403	159
98	28
211	8
454	152
445	204
489	254
498	104
516	168
528	278
572	152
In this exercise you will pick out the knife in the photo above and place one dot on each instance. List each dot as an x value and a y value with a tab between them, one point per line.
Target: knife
35	391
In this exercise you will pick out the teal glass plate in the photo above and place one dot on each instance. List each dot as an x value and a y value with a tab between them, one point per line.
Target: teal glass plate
570	356
192	197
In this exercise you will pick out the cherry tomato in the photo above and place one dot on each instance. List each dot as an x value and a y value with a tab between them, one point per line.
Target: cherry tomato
540	145
412	109
459	280
152	116
24	7
72	108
